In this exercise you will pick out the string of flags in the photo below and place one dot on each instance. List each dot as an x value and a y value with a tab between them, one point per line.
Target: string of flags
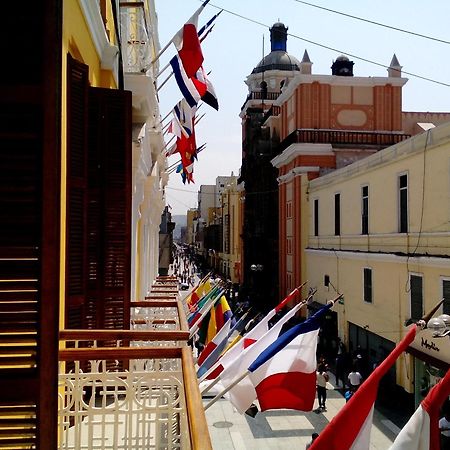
195	87
276	366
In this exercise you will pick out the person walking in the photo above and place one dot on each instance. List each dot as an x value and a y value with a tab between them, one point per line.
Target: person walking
354	379
314	436
322	378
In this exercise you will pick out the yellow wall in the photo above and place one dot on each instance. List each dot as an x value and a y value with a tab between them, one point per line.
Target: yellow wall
76	41
426	159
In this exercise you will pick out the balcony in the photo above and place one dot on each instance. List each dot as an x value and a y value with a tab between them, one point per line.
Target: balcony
138	50
258	95
132	389
344	138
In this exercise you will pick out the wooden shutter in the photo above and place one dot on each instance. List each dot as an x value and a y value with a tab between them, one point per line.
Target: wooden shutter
109	209
30	93
76	270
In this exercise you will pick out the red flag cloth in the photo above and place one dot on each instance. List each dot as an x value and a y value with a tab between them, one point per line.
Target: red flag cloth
422	430
350	428
190	53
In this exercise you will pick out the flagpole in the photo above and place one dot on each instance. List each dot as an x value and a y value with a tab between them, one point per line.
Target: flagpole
199	10
231	386
163	69
164	82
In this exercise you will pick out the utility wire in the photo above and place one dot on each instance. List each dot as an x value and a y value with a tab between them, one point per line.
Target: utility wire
374	23
330	48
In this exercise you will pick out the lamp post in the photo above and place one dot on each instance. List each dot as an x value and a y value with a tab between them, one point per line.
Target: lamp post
256	285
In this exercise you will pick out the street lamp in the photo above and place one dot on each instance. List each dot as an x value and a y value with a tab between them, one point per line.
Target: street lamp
256	267
440	325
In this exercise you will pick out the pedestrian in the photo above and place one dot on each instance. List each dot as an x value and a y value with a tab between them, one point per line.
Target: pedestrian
340	369
354	378
349	393
314	436
322	378
444	427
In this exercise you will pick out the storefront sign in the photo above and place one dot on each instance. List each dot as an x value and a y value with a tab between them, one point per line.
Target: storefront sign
436	347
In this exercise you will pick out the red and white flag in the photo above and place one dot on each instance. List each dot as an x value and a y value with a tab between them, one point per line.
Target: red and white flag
251	337
243	394
188	45
350	428
422	430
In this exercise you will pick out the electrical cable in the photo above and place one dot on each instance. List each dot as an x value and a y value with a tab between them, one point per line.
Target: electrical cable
442	83
374	23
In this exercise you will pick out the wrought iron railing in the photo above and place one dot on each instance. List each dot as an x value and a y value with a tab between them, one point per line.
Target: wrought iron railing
337	138
135	37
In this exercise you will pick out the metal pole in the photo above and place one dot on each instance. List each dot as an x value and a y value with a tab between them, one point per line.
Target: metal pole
231	386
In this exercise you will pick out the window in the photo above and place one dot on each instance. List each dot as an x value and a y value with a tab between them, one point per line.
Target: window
416	294
368	285
288	210
446	296
365	210
316	217
403	203
289	246
337	214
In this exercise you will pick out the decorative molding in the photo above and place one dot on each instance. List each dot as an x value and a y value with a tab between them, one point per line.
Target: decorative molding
296	172
294	150
432	261
106	52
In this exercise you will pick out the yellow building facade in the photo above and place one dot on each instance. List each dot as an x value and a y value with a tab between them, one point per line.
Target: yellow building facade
378	233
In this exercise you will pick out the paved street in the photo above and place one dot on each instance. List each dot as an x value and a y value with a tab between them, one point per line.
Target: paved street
283	429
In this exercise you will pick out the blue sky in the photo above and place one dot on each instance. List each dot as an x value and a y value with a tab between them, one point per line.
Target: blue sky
235	47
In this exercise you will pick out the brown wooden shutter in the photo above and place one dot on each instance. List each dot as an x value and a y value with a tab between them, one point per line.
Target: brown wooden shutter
76	269
30	163
109	209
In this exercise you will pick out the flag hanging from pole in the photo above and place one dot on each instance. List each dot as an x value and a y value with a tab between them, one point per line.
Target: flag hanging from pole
243	394
187	43
284	374
422	430
350	428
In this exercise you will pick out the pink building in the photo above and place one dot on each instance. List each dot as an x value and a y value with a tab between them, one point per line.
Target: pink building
325	122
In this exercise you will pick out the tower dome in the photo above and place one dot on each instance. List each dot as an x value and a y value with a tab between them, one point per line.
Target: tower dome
278	58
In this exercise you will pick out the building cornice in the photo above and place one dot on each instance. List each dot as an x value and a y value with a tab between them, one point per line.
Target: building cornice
335	80
296	172
107	53
433	261
416	144
294	150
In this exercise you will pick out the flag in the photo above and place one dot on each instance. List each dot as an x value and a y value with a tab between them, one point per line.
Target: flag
350	428
186	85
284	374
243	394
219	339
223	312
251	337
188	45
184	115
214	349
422	430
205	88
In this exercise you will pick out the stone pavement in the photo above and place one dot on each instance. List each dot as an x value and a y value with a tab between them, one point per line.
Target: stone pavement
284	429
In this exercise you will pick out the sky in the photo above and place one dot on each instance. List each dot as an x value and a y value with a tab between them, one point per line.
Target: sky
235	47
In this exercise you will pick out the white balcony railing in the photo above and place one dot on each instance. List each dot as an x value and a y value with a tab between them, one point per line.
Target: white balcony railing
132	389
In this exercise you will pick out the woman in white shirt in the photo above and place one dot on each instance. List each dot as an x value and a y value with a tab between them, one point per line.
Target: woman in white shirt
322	378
